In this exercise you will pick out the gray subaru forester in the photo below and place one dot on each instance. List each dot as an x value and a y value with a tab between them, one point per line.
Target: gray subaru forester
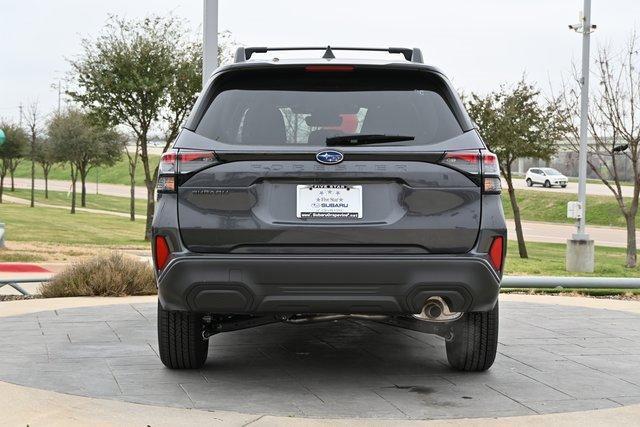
322	189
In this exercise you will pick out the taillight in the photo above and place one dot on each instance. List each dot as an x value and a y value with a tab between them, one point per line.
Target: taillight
482	164
175	163
496	251
464	161
161	252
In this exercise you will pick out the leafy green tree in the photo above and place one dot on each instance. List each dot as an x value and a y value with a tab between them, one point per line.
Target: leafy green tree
515	122
144	75
83	144
124	78
45	156
13	149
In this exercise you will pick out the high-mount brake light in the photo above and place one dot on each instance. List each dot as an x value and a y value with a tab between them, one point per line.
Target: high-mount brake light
328	68
477	163
174	163
496	252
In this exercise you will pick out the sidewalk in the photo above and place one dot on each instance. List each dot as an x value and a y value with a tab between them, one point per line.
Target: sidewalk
58	185
546	232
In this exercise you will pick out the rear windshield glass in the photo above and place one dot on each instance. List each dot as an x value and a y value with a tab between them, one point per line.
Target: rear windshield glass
306	108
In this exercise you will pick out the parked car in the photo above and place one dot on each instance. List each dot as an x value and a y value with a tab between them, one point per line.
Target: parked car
320	189
547	177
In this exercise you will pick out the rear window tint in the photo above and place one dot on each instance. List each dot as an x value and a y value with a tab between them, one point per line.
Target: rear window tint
276	108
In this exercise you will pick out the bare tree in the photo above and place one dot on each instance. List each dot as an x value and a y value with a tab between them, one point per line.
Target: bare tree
33	120
614	124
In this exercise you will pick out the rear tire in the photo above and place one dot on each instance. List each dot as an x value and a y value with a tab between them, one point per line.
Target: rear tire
180	339
529	182
475	341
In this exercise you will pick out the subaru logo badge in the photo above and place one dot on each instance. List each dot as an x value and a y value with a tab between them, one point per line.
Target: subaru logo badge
329	157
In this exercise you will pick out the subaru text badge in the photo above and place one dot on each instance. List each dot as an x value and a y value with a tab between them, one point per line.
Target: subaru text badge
329	157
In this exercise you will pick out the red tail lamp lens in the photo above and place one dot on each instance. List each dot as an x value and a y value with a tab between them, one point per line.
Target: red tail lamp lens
162	252
495	252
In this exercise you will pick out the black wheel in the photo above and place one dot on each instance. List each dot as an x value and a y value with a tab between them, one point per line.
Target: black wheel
180	339
564	186
547	184
475	341
529	182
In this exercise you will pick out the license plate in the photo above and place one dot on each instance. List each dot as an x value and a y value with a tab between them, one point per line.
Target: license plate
329	201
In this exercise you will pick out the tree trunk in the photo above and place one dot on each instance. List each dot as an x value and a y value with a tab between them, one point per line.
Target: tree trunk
1	187
46	182
13	186
74	176
132	192
632	261
32	203
151	205
522	248
83	188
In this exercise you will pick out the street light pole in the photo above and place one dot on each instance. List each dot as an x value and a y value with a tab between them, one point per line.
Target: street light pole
210	39
580	248
584	120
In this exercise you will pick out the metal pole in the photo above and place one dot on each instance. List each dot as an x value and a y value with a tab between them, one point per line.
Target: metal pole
210	39
581	232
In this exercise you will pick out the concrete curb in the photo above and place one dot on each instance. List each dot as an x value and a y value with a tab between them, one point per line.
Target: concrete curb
39	407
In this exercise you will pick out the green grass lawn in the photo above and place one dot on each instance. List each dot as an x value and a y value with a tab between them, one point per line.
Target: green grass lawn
116	174
548	259
552	207
62	198
51	225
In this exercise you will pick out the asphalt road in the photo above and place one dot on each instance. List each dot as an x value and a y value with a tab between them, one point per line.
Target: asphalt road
572	188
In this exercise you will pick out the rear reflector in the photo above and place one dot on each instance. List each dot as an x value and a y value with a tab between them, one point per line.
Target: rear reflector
328	68
161	252
495	252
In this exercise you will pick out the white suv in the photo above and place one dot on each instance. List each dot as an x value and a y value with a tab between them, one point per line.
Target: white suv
546	177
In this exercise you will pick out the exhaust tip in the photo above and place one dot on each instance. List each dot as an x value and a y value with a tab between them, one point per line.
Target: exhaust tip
433	310
436	309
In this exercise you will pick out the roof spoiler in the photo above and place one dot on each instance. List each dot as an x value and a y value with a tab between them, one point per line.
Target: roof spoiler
410	54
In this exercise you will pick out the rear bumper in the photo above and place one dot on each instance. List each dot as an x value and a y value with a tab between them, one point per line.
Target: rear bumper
252	284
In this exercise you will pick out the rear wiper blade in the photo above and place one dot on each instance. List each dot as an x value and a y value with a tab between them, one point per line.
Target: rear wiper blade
361	139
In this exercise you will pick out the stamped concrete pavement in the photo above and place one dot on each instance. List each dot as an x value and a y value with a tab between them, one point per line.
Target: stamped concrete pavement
553	358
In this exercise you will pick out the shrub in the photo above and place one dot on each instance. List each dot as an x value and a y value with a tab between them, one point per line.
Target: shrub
114	275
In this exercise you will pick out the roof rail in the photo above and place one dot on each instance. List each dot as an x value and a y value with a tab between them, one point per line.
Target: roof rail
414	55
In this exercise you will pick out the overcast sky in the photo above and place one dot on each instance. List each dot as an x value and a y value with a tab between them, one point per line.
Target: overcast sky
479	44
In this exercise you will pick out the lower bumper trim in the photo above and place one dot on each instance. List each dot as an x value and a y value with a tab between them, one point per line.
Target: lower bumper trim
252	284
